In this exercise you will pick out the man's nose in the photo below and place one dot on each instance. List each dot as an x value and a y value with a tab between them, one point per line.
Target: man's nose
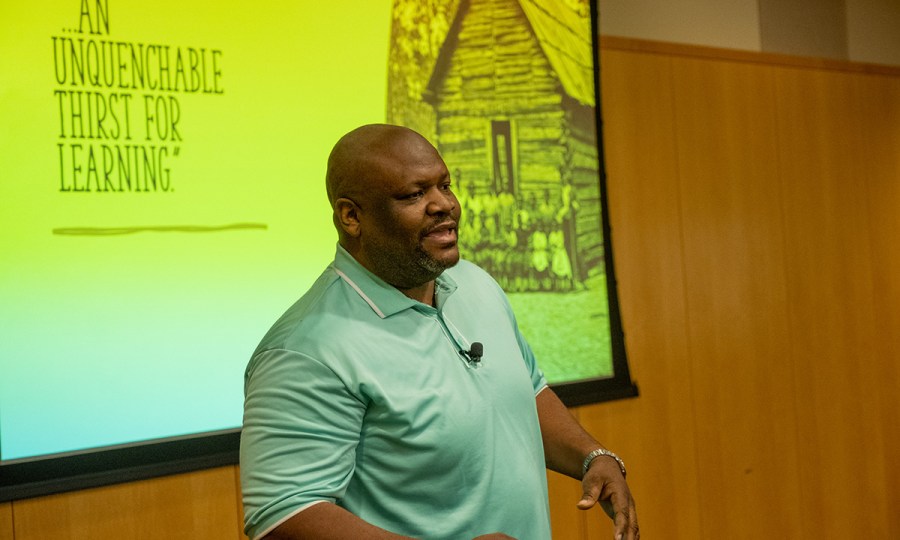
441	202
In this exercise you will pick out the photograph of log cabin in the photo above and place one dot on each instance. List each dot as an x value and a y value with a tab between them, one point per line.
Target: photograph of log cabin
505	90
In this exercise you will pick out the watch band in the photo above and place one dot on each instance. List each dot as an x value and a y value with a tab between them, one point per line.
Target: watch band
601	452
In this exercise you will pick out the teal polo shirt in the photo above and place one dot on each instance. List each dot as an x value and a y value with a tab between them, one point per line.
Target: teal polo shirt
359	396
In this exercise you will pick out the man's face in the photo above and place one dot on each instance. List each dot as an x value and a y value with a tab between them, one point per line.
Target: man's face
408	219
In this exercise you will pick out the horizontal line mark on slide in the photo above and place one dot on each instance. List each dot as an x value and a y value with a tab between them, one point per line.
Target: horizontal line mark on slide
114	231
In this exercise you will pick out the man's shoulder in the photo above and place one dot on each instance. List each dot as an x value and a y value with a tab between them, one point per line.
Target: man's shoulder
311	318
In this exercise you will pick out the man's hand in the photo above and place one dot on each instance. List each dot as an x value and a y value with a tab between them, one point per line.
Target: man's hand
605	484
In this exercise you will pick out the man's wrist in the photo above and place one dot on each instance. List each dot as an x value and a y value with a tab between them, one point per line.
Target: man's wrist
597	453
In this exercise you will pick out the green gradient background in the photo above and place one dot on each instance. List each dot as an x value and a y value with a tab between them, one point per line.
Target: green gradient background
105	340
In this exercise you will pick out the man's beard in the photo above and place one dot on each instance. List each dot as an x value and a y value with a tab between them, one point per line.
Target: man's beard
431	264
418	268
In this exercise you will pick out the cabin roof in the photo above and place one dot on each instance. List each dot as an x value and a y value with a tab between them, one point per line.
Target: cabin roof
563	35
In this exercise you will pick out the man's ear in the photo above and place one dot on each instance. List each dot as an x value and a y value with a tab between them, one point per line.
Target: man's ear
346	213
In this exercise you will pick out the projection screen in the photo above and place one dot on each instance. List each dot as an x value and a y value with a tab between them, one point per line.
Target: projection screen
163	202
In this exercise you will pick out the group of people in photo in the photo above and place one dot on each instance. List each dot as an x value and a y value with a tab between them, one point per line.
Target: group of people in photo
525	240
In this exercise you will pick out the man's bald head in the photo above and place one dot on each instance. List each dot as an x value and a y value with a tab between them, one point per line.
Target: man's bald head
359	159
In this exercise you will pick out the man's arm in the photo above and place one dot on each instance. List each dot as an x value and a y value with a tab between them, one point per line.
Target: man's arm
326	521
566	444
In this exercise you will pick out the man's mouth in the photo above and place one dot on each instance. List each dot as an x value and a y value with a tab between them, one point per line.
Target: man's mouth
443	232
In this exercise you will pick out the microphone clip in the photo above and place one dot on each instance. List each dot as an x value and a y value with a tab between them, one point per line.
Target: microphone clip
474	354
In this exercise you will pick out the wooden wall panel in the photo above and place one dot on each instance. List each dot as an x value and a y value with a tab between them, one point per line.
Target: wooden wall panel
733	243
830	301
198	506
791	293
239	502
654	433
6	521
880	165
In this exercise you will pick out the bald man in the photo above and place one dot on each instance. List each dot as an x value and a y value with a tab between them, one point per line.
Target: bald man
368	411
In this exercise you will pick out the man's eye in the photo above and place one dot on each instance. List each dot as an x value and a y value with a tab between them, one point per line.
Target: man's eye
414	195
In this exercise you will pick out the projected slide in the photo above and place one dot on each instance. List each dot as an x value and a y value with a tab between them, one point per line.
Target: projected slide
163	192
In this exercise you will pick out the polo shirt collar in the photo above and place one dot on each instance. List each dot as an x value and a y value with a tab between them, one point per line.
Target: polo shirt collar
385	299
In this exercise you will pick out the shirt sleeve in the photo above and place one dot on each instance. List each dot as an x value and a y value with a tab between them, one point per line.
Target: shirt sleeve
538	381
299	438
